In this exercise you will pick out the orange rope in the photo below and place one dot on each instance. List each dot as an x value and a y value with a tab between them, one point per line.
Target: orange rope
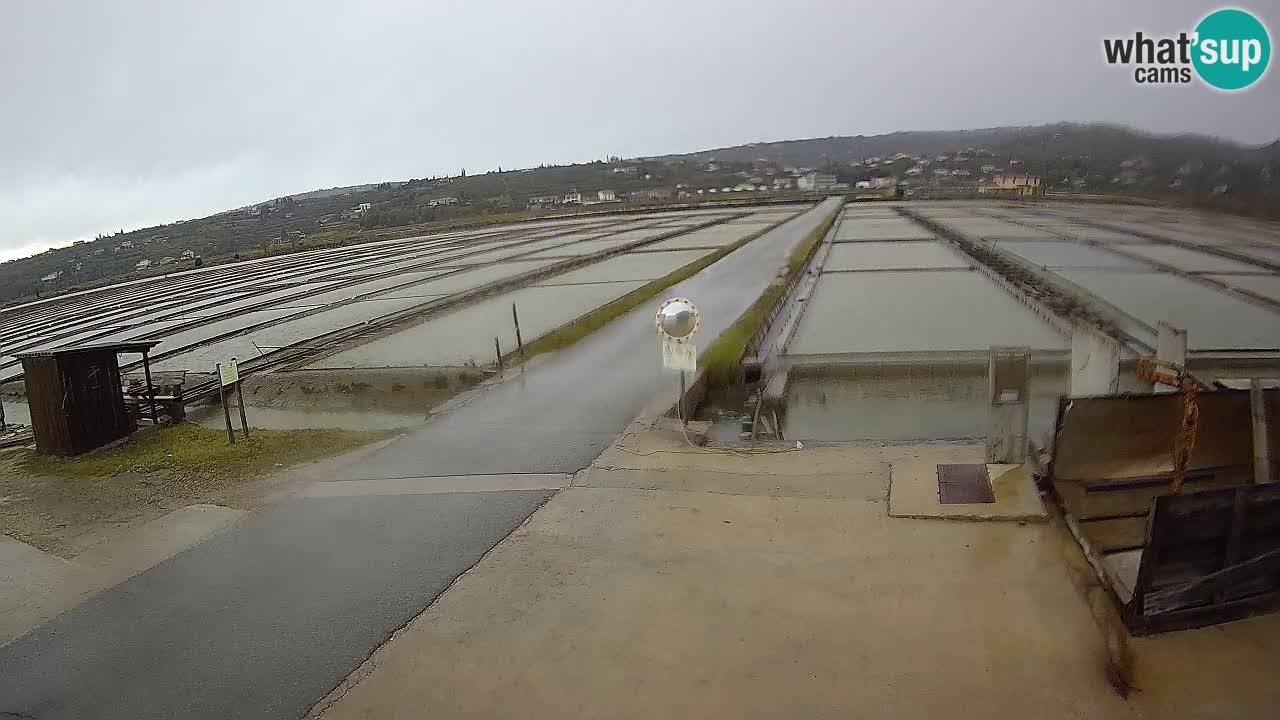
1184	441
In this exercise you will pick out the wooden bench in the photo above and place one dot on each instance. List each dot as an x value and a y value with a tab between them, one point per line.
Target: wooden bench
168	388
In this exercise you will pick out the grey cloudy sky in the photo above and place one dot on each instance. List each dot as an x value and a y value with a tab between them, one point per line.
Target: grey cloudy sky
124	114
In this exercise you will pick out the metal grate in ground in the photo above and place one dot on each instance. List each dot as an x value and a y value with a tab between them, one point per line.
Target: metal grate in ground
963	484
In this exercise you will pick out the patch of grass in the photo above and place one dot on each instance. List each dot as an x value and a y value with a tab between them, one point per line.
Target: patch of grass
191	449
721	359
566	335
800	256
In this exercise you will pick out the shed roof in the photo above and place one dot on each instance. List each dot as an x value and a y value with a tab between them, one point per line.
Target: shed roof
121	347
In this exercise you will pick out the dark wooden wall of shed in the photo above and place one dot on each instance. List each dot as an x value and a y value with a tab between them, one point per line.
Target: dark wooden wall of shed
97	413
45	399
76	402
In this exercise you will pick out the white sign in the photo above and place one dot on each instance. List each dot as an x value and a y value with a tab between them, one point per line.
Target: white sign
679	355
229	373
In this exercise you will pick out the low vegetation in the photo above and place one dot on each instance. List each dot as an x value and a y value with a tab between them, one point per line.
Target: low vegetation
189	449
721	359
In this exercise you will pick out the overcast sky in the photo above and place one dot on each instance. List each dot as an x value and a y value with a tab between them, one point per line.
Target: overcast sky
125	114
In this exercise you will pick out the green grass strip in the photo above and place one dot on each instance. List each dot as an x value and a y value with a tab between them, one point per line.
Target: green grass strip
188	449
722	358
570	333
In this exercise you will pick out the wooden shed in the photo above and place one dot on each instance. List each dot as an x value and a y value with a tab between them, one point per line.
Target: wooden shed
76	397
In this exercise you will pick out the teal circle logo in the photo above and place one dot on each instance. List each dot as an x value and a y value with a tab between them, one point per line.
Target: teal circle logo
1232	49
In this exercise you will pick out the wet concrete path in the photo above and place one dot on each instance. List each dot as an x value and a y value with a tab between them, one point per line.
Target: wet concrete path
263	620
559	415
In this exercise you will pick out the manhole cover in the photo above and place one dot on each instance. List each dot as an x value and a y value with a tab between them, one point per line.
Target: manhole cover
964	484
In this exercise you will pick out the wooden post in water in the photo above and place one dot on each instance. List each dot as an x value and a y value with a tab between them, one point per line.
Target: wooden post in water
515	317
497	351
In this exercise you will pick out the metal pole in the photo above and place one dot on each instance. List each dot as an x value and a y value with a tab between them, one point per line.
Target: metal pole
151	389
2	424
226	411
497	350
515	317
244	422
684	421
1261	451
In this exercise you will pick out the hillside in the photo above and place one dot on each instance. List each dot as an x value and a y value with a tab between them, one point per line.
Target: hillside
1093	158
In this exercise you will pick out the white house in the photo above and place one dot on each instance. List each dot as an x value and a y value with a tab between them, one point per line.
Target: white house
364	207
573	197
188	254
606	196
816	181
142	265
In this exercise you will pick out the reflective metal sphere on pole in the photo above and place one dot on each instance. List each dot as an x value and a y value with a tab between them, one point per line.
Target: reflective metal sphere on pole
678	319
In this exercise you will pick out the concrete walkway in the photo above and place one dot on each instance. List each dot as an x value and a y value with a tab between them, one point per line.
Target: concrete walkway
263	621
559	415
671	582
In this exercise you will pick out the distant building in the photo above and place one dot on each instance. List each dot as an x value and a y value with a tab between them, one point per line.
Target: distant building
886	181
142	265
542	201
188	254
168	260
52	276
657	194
626	170
127	244
813	181
440	202
365	207
606	196
573	197
744	187
862	184
1010	185
783	183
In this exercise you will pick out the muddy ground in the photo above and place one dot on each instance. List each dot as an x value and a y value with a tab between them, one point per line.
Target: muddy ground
64	515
